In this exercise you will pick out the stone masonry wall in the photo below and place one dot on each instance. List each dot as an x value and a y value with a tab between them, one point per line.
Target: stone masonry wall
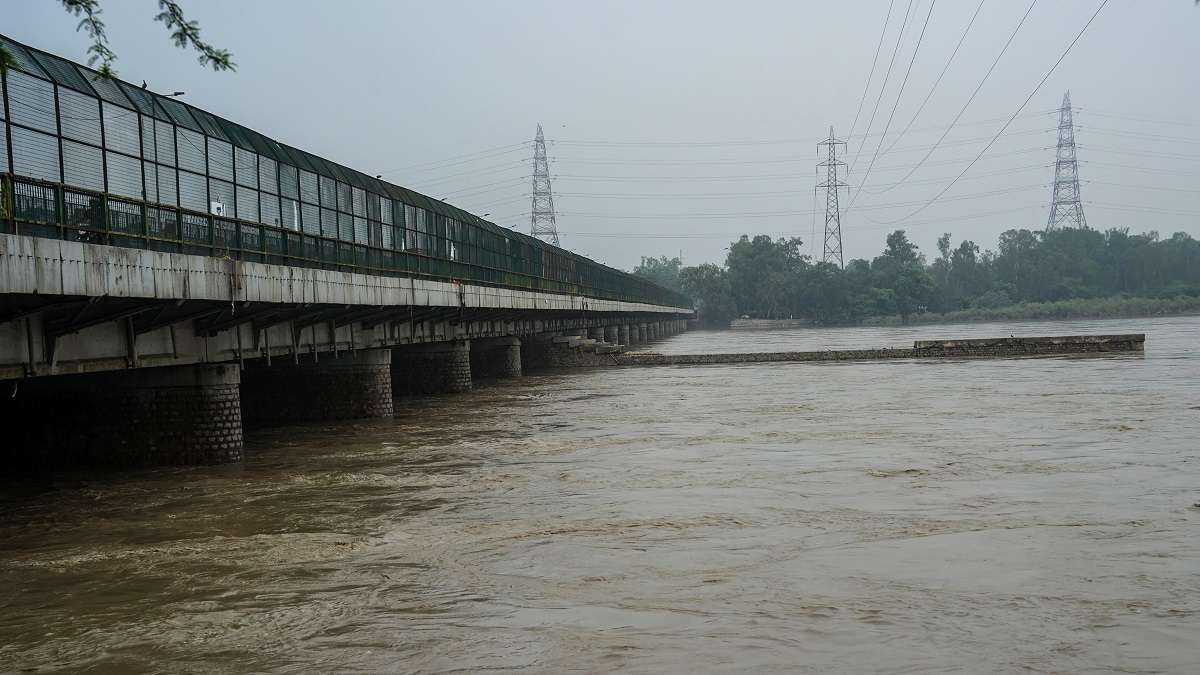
496	358
438	368
356	385
542	354
181	415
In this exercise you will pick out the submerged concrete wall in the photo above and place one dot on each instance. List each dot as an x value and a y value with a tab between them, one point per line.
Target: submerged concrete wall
922	349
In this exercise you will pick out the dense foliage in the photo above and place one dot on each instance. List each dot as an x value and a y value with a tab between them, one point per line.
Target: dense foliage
769	278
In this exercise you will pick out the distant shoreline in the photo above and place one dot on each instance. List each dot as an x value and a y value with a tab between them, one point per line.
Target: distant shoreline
1062	310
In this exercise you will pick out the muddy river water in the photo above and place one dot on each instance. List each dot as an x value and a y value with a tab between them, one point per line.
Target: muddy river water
1028	515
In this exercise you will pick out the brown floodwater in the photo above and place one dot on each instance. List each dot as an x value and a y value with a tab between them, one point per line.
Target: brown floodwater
1024	515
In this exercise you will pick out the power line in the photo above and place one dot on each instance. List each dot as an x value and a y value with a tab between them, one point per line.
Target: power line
757	177
895	105
887	76
874	61
512	147
1139	135
506	166
942	74
759	141
973	94
1151	120
1143	187
1019	109
1134	167
788	212
736	233
753	194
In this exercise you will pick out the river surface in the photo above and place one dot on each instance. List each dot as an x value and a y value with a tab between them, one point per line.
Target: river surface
1024	515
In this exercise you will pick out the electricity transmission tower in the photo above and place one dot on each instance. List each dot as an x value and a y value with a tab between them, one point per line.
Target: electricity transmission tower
833	215
1066	208
541	220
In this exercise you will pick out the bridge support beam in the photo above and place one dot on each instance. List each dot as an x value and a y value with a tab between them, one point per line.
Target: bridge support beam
438	368
356	385
175	415
496	357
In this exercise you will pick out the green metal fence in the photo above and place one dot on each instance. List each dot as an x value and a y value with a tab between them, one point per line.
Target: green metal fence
98	160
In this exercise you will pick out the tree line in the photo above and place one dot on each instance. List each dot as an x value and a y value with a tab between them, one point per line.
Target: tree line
770	279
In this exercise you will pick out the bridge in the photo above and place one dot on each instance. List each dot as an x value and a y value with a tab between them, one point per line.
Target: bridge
166	274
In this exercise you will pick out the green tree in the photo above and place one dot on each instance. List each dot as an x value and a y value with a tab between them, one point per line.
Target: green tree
765	274
663	271
901	270
708	286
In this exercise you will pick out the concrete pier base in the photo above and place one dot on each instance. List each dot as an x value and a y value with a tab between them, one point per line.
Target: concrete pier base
356	385
177	415
438	368
611	334
496	357
623	334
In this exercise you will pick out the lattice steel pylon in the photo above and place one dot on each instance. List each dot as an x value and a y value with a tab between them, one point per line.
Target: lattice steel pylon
1066	207
833	214
541	218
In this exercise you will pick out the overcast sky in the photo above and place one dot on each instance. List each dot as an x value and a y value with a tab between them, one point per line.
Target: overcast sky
676	126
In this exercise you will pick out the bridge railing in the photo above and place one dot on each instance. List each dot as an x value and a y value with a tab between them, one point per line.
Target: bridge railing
51	210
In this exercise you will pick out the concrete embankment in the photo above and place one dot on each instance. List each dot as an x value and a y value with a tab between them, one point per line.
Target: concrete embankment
921	349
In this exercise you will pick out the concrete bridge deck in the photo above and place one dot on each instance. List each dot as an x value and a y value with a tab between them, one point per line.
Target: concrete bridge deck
71	307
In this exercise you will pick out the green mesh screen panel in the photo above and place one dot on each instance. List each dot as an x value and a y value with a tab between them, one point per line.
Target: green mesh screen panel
144	102
23	58
105	88
179	113
63	72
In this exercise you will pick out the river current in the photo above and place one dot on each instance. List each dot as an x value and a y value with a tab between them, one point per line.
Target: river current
1021	515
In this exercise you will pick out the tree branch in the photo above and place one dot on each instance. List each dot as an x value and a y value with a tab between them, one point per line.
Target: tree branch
90	12
7	60
186	33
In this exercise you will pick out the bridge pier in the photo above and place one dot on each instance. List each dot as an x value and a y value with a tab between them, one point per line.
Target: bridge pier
171	415
596	333
623	334
496	357
437	368
611	334
358	384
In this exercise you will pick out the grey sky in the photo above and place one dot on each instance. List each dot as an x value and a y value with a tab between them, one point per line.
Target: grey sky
404	88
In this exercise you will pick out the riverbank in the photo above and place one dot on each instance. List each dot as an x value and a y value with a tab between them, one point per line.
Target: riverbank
1089	308
1062	310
